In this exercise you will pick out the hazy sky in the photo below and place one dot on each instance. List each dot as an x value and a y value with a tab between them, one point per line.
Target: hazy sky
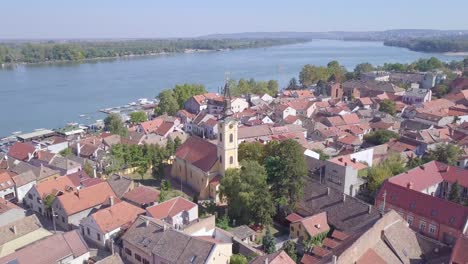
177	18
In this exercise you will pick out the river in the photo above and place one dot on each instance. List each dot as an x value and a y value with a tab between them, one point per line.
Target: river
51	95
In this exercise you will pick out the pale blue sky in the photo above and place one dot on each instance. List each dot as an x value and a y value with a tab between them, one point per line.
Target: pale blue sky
177	18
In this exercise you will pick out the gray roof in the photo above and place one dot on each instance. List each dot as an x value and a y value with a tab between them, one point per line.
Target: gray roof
416	92
349	215
23	227
242	232
119	184
150	236
112	259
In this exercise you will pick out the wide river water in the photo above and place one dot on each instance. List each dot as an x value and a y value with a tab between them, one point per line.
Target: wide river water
51	95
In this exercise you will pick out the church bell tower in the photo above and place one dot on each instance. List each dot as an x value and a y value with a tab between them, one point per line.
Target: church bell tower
227	138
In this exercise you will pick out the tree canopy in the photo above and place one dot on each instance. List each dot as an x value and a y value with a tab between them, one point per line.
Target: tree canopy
388	106
268	242
238	259
138	117
380	137
167	103
376	175
251	86
247	194
251	151
446	153
311	74
182	92
114	124
287	170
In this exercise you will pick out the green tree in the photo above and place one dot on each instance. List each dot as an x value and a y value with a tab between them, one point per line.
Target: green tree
273	87
251	151
322	154
336	72
388	106
247	194
114	124
290	248
446	153
170	147
238	259
455	193
177	143
310	75
138	117
167	103
88	168
183	92
268	242
292	84
380	137
440	90
66	152
48	200
414	162
287	170
376	175
362	68
223	222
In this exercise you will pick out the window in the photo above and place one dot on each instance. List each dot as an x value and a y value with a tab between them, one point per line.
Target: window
220	137
63	219
98	237
231	160
128	251
137	257
432	229
145	261
40	210
87	231
422	226
409	219
220	159
38	200
231	138
30	196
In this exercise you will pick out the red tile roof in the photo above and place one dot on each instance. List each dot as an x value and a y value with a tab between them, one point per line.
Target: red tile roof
86	198
164	128
61	184
170	208
365	101
321	252
430	174
152	125
350	119
80	178
330	243
6	180
308	259
315	224
200	153
460	250
346	161
21	151
142	195
427	206
339	235
370	257
113	217
293	217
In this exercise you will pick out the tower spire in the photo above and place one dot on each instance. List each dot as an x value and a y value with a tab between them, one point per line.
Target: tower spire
227	99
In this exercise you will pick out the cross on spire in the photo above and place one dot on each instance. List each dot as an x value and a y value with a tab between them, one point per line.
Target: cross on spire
227	98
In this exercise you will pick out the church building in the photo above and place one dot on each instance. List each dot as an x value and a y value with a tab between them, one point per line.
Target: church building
200	163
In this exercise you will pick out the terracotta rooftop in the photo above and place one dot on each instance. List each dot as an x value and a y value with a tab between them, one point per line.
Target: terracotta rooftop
423	205
113	217
86	198
58	246
21	151
315	224
279	257
170	208
460	252
200	153
6	180
142	195
61	184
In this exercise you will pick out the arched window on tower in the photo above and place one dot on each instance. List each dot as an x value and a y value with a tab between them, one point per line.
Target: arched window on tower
231	138
231	160
221	159
220	137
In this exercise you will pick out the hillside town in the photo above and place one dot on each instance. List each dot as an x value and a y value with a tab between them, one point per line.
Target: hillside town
371	168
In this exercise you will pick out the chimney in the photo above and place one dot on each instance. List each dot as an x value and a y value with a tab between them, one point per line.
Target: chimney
77	192
146	222
346	164
164	226
369	210
340	159
334	259
353	160
344	197
111	200
409	185
266	260
328	191
317	226
15	231
78	149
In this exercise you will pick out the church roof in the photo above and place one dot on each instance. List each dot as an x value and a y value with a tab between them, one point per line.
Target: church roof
200	153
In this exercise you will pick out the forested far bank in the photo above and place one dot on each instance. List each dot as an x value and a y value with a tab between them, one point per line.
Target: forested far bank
81	50
431	45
